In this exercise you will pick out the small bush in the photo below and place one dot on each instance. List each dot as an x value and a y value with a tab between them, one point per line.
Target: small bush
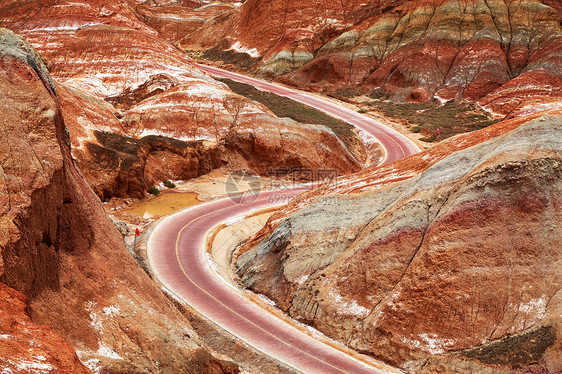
415	129
169	184
429	139
363	110
154	190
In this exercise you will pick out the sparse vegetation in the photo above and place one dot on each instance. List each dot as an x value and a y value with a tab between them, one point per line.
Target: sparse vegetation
221	52
169	184
285	107
154	190
521	349
363	110
426	118
234	104
429	139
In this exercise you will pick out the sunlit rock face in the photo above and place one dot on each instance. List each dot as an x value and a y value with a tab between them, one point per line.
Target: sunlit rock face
407	51
118	76
455	250
88	298
447	49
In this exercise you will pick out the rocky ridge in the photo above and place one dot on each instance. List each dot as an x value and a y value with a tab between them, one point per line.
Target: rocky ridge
468	231
497	52
60	250
134	84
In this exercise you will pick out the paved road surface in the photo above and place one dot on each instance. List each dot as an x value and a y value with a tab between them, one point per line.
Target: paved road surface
177	257
396	145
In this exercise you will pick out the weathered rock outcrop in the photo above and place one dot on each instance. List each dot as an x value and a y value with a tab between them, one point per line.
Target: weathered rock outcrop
284	34
405	50
452	252
288	143
98	47
116	75
174	22
59	248
117	165
27	347
449	49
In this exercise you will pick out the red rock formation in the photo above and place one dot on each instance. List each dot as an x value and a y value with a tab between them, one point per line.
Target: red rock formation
451	49
289	144
405	50
59	248
194	110
97	47
27	347
273	28
555	4
101	50
451	249
119	165
174	22
534	91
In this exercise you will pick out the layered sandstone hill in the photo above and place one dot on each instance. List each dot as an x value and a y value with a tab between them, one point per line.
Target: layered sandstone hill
402	50
283	34
121	83
447	260
59	248
175	21
116	164
449	49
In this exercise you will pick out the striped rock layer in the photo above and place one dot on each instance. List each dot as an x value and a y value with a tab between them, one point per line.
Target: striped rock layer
449	258
117	75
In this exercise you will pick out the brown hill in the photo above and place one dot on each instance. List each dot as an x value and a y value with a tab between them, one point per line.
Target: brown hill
449	259
60	249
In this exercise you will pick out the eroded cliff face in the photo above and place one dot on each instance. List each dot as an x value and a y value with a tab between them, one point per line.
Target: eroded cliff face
27	347
59	248
407	51
116	164
439	259
449	49
118	76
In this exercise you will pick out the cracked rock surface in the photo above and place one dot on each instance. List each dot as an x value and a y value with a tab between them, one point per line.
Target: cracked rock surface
445	251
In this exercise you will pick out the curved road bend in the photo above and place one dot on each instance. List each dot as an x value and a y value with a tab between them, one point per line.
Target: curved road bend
177	257
396	145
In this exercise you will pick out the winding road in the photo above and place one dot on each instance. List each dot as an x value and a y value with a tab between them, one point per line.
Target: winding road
396	145
177	256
